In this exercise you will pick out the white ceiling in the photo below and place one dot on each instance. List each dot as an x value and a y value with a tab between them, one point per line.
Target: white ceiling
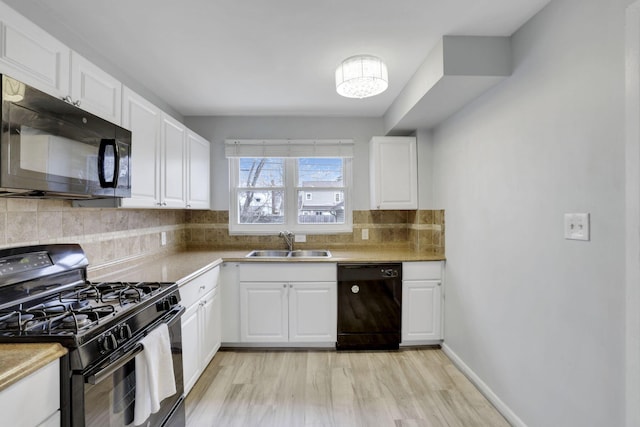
269	57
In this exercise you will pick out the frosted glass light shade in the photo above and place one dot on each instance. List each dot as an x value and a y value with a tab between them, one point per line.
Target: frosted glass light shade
13	90
361	76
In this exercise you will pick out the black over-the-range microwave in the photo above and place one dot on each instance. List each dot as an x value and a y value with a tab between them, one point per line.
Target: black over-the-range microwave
51	148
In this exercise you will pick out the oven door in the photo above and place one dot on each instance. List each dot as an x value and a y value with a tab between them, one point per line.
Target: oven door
109	390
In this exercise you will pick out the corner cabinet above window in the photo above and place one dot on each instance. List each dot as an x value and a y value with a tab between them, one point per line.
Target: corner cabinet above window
393	170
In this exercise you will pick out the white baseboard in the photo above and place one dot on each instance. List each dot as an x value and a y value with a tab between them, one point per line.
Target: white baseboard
506	412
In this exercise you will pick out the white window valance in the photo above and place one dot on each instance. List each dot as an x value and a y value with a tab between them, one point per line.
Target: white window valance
289	148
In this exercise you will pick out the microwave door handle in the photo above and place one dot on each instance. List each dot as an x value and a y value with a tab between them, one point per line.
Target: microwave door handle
101	163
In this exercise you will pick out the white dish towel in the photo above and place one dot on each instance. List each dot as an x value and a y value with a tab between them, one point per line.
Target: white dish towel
155	378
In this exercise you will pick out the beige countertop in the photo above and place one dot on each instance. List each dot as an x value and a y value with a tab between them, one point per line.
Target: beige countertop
20	360
182	266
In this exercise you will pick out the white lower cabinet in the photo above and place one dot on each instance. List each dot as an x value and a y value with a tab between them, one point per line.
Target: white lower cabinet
277	304
421	302
264	312
34	400
201	324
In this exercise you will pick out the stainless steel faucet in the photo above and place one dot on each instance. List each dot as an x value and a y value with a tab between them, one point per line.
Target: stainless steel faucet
288	237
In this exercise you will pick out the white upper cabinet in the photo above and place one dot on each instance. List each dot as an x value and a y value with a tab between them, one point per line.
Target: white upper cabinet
31	55
143	120
94	90
170	164
198	173
173	163
393	170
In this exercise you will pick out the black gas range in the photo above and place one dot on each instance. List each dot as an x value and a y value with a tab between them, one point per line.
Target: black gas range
45	297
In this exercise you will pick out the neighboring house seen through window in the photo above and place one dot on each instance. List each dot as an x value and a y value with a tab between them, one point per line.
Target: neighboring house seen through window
301	194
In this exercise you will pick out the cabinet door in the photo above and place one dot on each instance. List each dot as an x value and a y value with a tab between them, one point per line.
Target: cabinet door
210	328
31	55
173	135
198	172
313	312
190	347
34	399
394	173
143	120
264	312
96	91
421	310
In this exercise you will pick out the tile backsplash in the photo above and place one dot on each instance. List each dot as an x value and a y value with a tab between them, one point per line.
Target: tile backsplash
112	235
421	231
106	235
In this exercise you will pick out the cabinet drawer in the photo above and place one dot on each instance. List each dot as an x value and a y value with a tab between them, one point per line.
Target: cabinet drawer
199	286
422	270
288	272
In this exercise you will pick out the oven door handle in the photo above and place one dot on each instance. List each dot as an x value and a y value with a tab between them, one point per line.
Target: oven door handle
171	317
105	373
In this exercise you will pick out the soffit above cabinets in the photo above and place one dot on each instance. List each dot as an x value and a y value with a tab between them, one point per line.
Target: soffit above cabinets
455	72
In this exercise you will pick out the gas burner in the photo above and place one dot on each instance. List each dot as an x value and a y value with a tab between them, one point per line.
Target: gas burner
75	321
80	295
15	321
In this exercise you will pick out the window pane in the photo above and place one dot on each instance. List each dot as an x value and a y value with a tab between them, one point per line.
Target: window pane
261	172
261	207
320	172
322	207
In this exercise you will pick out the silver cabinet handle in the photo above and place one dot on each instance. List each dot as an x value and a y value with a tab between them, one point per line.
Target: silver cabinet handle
355	289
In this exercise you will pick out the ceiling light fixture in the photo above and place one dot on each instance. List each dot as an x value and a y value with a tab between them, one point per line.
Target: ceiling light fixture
361	76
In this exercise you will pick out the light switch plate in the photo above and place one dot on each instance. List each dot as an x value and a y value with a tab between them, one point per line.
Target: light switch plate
300	238
163	238
576	226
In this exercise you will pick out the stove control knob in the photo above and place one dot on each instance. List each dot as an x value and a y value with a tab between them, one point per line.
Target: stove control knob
163	305
173	299
124	332
108	342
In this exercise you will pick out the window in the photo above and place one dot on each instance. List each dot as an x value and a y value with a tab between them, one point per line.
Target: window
303	194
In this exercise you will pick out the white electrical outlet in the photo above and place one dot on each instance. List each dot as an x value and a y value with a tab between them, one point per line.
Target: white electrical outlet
576	226
365	234
163	238
300	238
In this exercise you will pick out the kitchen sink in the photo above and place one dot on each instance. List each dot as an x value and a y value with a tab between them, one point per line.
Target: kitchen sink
306	253
310	253
268	254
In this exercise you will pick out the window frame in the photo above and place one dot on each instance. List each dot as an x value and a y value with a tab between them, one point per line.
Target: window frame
290	207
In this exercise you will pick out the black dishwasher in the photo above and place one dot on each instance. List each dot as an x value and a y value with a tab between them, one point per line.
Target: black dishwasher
369	306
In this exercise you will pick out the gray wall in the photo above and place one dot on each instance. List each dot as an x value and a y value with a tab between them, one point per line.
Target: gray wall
218	129
538	318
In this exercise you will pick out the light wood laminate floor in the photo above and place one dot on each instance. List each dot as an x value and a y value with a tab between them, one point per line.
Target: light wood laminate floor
412	387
